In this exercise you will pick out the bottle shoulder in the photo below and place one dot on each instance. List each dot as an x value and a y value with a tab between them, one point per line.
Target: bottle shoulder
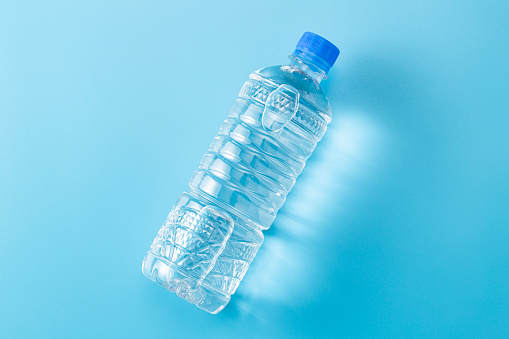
311	93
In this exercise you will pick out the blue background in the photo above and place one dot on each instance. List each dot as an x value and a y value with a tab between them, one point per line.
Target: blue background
398	226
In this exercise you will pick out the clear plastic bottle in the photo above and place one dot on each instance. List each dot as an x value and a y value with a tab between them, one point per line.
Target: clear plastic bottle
213	232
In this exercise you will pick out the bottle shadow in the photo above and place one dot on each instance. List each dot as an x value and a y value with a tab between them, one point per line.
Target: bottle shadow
327	194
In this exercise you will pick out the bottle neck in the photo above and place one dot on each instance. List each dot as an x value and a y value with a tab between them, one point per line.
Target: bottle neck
308	68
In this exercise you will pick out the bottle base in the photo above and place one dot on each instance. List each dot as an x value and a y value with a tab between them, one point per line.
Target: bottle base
165	274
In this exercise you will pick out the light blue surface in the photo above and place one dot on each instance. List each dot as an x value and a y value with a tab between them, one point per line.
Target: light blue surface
399	226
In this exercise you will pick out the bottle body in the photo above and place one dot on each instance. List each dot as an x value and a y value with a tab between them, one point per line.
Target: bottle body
214	231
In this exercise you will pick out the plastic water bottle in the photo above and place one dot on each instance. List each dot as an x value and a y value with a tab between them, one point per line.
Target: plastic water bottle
213	232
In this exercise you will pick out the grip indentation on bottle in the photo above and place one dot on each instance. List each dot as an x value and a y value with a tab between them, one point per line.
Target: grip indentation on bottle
280	107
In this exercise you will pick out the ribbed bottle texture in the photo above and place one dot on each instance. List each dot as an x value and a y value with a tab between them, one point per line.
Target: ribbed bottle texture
213	232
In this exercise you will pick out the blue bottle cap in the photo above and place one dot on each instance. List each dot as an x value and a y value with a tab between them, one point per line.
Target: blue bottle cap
317	50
